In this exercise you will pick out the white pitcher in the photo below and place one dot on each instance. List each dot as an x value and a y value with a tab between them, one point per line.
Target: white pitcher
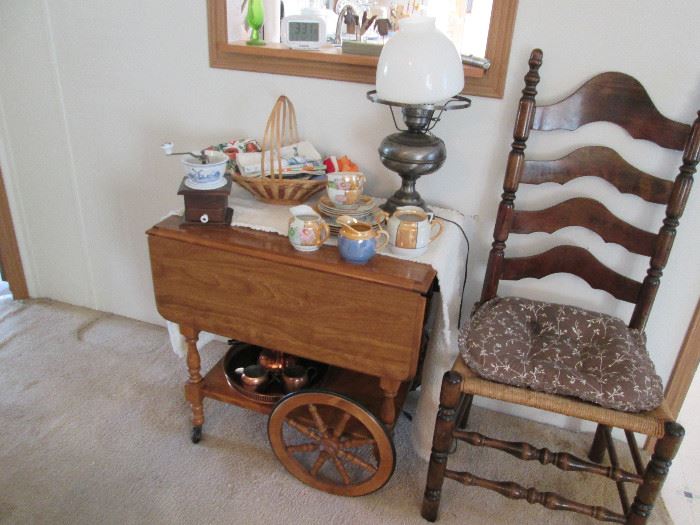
411	229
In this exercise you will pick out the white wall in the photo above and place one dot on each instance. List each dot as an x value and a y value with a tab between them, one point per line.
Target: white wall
36	158
89	90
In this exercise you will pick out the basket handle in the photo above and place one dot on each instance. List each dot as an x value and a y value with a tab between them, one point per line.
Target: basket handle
281	130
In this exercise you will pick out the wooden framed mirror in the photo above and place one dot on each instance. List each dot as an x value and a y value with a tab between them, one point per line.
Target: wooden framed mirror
332	64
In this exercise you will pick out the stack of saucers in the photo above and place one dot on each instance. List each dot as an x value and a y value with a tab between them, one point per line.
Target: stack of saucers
365	209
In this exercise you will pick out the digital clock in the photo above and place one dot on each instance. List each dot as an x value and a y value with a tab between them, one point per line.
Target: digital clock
303	31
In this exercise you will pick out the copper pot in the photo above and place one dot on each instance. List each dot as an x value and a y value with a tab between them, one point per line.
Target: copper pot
296	377
274	360
254	377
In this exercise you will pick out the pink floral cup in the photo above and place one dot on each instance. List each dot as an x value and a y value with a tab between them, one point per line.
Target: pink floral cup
344	188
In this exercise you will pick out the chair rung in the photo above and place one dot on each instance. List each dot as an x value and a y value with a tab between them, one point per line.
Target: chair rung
561	460
550	500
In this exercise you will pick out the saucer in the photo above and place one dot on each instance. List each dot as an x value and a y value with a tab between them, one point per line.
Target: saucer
407	253
367	217
205	185
364	205
375	218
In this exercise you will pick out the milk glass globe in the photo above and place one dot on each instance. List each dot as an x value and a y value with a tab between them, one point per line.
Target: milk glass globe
419	64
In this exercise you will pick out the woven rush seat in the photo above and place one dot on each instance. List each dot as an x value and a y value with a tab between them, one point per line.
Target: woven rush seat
562	349
650	423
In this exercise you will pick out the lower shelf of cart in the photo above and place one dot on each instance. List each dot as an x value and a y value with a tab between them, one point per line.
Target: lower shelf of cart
362	388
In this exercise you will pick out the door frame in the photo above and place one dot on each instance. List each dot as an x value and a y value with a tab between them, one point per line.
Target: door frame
686	365
10	259
683	371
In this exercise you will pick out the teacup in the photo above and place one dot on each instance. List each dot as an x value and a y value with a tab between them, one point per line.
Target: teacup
205	176
411	229
357	241
307	230
254	377
344	188
296	377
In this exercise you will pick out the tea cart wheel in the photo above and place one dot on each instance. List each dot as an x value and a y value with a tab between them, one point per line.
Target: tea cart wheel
331	443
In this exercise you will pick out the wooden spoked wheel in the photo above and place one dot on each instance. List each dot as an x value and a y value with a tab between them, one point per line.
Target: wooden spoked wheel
331	443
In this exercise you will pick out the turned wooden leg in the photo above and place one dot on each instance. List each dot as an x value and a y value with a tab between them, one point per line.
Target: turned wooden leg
193	387
450	396
655	474
390	387
599	446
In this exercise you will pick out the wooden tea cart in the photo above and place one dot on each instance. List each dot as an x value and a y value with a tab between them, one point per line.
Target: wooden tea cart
368	324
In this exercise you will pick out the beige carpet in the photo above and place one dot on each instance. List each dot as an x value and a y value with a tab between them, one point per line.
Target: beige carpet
94	430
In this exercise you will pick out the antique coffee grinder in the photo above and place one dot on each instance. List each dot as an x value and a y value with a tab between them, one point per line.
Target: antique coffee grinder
207	206
205	186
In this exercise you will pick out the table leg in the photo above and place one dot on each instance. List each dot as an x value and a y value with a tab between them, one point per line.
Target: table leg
193	388
390	387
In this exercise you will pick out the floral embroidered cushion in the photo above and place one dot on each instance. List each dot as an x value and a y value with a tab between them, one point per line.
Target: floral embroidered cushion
563	350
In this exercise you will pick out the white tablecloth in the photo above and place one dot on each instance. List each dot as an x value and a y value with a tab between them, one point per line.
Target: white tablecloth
447	255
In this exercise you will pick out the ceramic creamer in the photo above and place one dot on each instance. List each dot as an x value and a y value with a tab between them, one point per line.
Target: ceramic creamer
307	230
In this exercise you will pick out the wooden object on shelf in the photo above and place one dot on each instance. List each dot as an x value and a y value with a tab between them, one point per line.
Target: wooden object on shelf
207	207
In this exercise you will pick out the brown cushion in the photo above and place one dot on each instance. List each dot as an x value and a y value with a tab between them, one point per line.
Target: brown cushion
561	349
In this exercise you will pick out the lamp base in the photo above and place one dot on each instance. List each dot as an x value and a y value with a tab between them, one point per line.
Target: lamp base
411	155
404	198
414	151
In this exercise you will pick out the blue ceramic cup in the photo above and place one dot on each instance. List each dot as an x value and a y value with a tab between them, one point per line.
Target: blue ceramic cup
357	241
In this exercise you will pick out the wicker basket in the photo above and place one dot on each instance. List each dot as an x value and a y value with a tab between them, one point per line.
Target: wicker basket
281	130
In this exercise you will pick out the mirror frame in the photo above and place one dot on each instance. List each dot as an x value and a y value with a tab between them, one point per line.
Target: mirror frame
332	65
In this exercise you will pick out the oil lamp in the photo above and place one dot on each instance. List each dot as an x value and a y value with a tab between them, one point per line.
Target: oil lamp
419	72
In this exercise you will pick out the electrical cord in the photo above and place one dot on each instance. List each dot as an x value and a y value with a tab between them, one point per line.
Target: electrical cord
466	267
405	413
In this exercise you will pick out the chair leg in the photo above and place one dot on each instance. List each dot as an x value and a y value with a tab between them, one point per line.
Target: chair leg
599	446
655	474
450	397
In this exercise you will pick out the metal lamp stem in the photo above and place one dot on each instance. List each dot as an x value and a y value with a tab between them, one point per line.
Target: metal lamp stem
414	151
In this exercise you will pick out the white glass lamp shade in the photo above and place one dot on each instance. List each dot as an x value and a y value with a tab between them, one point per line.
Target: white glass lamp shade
419	65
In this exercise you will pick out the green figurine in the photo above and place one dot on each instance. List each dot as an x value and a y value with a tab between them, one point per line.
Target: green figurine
255	19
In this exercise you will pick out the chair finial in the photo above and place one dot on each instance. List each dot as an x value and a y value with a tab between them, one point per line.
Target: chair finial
532	78
535	58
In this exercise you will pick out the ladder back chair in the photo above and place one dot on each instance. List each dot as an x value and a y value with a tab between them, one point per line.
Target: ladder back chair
558	357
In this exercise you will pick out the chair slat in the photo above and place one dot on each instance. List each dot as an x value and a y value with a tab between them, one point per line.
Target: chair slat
587	213
617	98
602	162
576	261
